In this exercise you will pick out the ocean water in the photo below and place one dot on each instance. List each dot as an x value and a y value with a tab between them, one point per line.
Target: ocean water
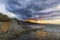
52	28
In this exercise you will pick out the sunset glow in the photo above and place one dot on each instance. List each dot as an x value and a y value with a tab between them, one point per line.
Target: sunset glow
57	21
36	21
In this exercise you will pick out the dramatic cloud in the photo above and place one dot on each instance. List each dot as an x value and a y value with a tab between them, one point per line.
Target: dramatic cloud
4	11
36	9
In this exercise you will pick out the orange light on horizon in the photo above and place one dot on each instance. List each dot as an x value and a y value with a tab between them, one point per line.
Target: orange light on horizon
36	21
40	21
53	21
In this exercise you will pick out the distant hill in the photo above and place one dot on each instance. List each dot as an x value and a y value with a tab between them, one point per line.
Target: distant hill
4	17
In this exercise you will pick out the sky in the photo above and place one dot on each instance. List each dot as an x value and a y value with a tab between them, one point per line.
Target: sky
35	9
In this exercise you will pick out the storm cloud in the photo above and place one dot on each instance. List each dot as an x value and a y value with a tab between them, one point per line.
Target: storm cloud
36	9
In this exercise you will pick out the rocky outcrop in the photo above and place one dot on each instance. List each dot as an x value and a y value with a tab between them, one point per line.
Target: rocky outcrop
9	27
